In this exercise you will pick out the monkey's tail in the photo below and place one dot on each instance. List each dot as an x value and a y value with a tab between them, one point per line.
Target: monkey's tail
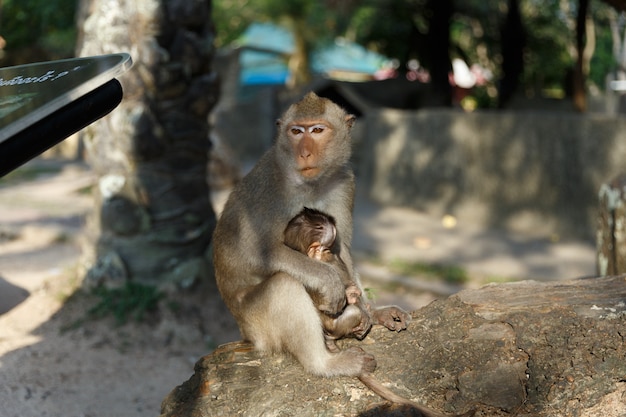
375	385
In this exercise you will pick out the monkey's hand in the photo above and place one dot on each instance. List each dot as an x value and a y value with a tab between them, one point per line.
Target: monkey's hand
316	251
392	317
353	293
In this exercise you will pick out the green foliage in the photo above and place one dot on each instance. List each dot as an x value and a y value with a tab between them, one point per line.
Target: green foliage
370	294
398	29
130	301
548	40
27	173
298	9
389	28
232	17
47	23
449	273
603	61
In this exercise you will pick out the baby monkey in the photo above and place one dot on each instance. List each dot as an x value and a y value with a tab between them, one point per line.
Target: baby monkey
313	233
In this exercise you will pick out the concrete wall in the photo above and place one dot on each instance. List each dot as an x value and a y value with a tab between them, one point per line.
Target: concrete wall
529	171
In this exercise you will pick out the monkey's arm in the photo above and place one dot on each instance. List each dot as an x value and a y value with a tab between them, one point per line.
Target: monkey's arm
313	274
392	317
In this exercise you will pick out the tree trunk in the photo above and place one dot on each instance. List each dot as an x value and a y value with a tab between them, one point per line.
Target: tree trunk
298	64
524	349
513	41
438	39
611	232
578	87
153	218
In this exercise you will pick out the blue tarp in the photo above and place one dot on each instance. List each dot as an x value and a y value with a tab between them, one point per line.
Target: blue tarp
262	68
271	68
346	56
265	67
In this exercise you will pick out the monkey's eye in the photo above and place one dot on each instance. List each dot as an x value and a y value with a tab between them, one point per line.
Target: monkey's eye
317	129
296	130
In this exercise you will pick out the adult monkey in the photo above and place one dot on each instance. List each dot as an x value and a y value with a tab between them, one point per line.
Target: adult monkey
262	281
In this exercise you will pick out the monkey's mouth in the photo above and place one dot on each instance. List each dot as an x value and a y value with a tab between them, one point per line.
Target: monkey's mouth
309	171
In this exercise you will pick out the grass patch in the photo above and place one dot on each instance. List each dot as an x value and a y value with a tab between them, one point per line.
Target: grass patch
497	279
27	173
87	190
449	273
132	301
370	293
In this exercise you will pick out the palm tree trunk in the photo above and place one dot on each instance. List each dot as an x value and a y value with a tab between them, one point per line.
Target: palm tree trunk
153	219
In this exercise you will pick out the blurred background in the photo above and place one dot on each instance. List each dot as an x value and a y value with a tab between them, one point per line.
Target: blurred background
488	147
490	48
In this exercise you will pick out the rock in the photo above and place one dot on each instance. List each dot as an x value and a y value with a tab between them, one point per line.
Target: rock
528	349
109	271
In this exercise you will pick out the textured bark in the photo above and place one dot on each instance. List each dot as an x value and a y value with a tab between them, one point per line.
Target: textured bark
524	349
153	218
611	230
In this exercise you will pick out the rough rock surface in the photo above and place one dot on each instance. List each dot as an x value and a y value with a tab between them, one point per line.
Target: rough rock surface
524	349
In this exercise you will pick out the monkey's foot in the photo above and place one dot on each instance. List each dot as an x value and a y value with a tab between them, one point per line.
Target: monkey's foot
353	361
392	317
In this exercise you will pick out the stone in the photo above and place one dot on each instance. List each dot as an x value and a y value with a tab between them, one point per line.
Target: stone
528	349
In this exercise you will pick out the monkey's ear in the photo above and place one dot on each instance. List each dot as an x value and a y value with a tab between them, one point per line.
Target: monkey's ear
279	122
350	119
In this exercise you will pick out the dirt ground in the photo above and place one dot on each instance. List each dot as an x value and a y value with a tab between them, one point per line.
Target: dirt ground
97	369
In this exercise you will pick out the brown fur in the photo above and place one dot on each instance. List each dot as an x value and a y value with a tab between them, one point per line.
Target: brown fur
260	278
313	233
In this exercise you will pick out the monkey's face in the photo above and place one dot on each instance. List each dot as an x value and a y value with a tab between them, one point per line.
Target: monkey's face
314	138
309	140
